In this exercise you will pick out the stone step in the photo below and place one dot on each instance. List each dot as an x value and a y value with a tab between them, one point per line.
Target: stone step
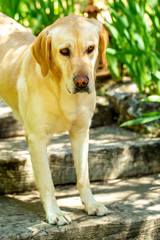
10	127
128	105
134	213
113	153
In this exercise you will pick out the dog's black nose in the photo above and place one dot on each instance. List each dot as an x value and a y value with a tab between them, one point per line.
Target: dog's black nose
81	81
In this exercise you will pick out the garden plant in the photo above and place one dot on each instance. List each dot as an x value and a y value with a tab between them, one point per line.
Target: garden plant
135	47
37	14
135	42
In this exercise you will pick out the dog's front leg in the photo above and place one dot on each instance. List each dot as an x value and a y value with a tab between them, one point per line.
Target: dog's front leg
38	152
79	141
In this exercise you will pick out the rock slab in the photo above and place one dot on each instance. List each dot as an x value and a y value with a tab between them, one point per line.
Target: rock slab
9	126
113	153
133	205
128	105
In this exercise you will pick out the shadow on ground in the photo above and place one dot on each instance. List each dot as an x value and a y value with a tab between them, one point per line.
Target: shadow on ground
134	212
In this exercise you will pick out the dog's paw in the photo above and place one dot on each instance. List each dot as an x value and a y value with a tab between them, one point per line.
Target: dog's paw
60	218
96	209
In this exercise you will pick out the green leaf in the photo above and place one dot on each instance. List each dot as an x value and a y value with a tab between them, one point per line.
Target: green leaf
152	98
113	66
113	30
150	114
139	121
139	40
156	75
111	51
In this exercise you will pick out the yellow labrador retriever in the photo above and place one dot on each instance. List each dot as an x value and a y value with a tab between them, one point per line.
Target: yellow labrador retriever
49	82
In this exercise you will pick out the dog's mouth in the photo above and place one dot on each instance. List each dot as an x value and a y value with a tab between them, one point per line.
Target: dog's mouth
78	90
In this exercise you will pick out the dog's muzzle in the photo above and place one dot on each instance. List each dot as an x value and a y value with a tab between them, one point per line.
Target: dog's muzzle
81	83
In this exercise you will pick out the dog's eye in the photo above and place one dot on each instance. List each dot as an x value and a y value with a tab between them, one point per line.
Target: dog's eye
65	51
90	49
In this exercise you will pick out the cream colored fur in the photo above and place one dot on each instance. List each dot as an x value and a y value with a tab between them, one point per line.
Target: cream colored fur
36	80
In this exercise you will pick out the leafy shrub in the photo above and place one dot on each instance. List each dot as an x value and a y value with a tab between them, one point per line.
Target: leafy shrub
37	14
136	43
43	13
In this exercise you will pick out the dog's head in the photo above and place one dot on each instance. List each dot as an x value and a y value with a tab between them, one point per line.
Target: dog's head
71	48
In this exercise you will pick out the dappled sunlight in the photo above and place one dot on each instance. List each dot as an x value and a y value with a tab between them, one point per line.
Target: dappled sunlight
37	228
30	197
5	110
70	202
14	144
133	204
155	208
101	136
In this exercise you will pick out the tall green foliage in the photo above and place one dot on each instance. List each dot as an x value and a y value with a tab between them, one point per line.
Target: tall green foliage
11	8
135	42
37	14
43	13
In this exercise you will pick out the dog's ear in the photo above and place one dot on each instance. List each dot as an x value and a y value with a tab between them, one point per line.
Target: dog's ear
103	41
41	51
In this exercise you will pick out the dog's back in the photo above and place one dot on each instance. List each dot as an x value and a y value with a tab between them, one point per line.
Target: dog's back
15	40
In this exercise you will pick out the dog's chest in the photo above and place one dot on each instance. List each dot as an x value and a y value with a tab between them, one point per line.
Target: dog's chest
72	110
79	108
